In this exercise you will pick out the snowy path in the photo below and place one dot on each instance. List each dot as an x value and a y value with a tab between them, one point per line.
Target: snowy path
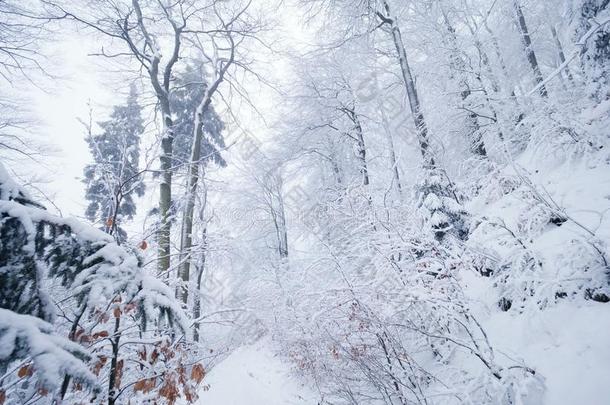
252	375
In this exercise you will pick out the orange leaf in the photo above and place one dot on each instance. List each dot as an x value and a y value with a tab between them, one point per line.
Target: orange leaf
143	245
2	397
119	374
197	373
100	363
109	222
101	334
117	312
25	371
154	356
145	385
169	391
139	385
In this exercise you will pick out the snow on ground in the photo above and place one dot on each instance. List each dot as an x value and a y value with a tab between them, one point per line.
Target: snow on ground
567	342
254	375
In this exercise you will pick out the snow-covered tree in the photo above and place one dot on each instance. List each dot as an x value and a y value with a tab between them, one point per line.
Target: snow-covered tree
189	90
61	277
595	52
114	179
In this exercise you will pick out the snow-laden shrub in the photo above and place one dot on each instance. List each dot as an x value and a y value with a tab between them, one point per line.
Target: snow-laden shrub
536	261
60	277
30	347
379	316
440	207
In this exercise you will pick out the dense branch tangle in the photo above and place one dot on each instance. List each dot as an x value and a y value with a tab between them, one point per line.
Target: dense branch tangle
159	36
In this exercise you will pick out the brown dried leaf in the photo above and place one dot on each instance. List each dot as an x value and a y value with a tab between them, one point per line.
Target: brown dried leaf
197	373
25	371
101	334
169	391
119	374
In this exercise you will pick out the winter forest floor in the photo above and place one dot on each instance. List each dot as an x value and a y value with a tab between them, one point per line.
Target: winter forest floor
255	375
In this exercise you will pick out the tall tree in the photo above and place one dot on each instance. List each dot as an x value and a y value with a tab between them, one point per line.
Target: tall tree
152	34
198	142
529	50
114	178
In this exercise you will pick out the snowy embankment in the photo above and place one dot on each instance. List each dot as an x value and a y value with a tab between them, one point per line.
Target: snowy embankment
254	375
565	339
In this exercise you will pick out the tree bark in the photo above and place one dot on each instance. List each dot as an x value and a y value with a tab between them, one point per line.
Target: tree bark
161	88
561	54
186	239
165	190
393	161
360	146
112	388
414	104
200	268
186	242
529	50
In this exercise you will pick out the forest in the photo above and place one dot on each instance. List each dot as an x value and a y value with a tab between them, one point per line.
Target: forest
305	202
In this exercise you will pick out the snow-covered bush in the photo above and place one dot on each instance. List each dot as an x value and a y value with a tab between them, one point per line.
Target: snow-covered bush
60	277
379	316
442	212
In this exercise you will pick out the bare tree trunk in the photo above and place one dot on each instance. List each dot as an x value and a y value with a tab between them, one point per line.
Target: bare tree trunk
279	223
165	190
186	242
561	54
457	64
283	231
361	147
336	170
200	268
114	371
529	51
414	104
492	78
186	237
393	161
161	88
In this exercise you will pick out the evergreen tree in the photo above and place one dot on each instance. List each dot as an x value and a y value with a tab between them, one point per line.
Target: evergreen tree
185	99
78	311
113	178
440	206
